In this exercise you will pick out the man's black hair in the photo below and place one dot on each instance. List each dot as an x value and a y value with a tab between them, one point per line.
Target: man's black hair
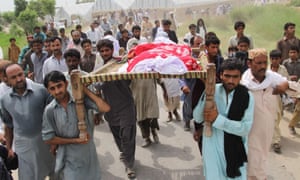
85	41
108	32
55	38
212	40
54	76
239	24
294	48
37	40
12	39
78	26
124	31
275	53
166	22
36	27
288	24
136	27
192	26
62	30
244	39
231	64
72	53
105	43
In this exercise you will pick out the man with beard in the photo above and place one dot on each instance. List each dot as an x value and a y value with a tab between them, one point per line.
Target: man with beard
56	61
136	33
22	110
76	41
82	34
224	153
265	85
72	57
122	116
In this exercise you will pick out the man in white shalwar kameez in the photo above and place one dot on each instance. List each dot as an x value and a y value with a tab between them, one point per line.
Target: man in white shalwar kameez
264	85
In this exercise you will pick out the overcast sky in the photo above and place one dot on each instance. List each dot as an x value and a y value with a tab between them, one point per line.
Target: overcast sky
8	5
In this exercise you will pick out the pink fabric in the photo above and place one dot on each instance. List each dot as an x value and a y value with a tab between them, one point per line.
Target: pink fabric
152	50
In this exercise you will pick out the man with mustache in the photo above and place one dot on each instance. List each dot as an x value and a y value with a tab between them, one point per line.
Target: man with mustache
265	85
122	116
224	153
56	61
76	41
22	109
76	157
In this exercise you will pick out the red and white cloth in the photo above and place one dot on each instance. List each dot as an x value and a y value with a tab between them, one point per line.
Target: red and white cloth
161	57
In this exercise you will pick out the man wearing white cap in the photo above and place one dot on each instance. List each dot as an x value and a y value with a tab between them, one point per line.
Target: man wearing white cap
265	85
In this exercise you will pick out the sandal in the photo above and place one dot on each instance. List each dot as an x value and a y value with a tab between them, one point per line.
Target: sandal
277	148
130	173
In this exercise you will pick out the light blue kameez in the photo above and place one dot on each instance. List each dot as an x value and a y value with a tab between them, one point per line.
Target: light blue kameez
75	161
213	147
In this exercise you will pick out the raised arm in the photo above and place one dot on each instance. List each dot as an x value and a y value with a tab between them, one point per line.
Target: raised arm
101	104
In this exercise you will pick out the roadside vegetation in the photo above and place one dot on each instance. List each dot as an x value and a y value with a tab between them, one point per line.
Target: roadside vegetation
263	23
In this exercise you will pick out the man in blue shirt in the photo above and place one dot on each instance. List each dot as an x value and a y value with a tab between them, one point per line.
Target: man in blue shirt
76	157
224	153
21	110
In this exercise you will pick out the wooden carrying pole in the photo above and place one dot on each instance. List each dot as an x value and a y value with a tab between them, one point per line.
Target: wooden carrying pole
210	93
78	95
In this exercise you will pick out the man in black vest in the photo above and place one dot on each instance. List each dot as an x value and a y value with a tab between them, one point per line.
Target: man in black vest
224	153
166	24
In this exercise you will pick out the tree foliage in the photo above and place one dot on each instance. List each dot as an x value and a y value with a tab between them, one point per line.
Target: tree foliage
27	20
42	7
20	5
9	17
15	30
295	2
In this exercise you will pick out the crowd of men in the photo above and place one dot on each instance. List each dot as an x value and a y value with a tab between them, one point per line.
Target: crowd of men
39	112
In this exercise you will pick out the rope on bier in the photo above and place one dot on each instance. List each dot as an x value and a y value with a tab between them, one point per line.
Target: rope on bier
93	78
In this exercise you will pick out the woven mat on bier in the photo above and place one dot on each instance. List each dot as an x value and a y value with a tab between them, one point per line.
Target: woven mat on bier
92	78
109	72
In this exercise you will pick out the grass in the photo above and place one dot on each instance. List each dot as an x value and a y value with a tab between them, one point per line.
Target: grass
263	23
4	42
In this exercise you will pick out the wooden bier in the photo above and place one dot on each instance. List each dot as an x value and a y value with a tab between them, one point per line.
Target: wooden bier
78	95
210	93
108	72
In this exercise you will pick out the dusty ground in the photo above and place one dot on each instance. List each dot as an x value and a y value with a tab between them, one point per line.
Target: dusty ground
177	156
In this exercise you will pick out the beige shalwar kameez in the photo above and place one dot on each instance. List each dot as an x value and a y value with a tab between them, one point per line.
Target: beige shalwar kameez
265	114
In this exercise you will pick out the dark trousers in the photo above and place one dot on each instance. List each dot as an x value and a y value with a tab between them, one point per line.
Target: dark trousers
125	140
147	125
199	127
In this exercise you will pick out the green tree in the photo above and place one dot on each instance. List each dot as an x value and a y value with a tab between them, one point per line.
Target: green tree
295	2
42	7
20	5
15	30
27	20
9	17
